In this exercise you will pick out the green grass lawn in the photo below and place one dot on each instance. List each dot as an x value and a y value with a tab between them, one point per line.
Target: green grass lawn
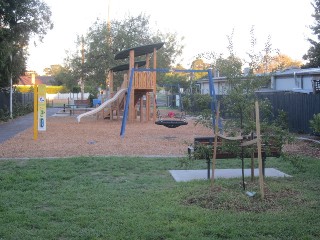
136	198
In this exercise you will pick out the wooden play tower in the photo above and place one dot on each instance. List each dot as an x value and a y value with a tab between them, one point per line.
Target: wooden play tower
144	83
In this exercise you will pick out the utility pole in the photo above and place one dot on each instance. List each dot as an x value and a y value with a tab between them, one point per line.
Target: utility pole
109	80
82	63
11	90
108	21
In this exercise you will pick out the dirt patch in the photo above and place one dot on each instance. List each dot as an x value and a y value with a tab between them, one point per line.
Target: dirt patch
65	137
232	199
303	148
91	137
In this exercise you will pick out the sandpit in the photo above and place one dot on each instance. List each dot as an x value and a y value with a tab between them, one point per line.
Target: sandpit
99	137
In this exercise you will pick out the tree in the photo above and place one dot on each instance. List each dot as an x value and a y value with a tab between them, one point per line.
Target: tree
102	42
229	67
313	54
19	21
238	102
279	62
52	70
199	64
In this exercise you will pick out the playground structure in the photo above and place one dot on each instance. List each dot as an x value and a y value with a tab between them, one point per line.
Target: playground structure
143	86
139	84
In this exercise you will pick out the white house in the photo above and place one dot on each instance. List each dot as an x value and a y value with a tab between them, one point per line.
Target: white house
295	79
292	79
219	83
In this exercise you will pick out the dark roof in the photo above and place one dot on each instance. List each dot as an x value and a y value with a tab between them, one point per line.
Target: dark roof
139	51
126	66
27	80
48	80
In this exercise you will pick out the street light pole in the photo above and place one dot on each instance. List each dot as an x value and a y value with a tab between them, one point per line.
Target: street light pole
11	86
82	63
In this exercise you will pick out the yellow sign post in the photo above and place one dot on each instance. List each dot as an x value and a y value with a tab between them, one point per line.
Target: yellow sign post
39	110
42	107
35	112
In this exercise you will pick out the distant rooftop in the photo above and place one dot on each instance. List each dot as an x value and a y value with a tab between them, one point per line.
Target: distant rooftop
297	71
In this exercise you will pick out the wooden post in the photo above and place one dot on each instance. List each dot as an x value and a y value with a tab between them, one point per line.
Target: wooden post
215	144
147	106
261	183
110	82
141	108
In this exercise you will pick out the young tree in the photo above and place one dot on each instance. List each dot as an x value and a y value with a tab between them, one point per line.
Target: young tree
19	21
238	103
313	54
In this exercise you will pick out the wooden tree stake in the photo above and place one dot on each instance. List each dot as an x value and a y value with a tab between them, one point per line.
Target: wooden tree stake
259	150
216	132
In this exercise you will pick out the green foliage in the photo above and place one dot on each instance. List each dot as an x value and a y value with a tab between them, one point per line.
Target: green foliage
19	20
315	123
4	114
171	81
18	110
229	67
313	54
197	103
298	162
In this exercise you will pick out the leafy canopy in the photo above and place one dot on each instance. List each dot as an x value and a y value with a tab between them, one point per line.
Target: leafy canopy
20	20
103	41
313	54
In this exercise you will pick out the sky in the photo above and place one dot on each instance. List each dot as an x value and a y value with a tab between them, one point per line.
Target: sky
204	24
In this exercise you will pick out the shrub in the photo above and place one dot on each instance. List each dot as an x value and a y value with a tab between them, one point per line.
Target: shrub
315	123
197	103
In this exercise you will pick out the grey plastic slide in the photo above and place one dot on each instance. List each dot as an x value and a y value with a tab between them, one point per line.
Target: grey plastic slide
103	105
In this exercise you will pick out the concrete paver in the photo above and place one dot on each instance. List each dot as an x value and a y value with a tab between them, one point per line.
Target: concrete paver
189	175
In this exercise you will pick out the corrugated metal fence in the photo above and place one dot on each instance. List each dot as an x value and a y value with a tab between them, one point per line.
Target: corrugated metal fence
299	107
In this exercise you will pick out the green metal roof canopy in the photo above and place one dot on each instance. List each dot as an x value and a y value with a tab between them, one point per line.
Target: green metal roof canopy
139	51
124	67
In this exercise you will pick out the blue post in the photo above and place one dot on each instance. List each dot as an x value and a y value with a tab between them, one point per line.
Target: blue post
126	108
213	97
213	100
